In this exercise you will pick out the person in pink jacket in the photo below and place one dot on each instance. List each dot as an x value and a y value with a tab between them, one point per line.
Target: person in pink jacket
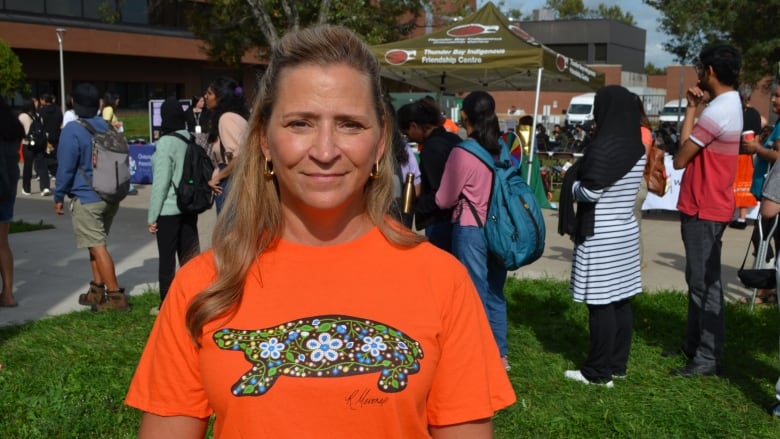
467	180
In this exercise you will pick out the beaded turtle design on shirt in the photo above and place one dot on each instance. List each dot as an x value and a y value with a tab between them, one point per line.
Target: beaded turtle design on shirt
322	347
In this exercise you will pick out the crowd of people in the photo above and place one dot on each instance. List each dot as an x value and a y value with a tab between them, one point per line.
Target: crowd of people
307	185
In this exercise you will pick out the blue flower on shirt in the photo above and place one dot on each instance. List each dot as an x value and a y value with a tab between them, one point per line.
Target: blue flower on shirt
373	345
324	347
271	348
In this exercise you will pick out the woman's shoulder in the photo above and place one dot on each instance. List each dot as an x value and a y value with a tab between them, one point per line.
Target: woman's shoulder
231	117
198	273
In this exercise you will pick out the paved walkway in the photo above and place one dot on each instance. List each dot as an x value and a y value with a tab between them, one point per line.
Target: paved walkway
50	272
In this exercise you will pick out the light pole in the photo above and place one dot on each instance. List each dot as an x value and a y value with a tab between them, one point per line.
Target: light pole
60	31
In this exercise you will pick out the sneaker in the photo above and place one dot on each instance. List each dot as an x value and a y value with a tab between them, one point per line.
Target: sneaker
133	191
576	375
154	311
45	192
737	224
619	376
113	301
25	192
505	362
94	294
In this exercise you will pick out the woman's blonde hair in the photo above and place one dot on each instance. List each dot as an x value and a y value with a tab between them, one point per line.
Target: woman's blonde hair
251	220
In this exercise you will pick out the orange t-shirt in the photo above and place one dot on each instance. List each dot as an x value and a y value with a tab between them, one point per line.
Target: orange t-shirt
360	340
450	125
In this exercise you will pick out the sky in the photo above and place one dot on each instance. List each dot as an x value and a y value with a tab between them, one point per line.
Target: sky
645	17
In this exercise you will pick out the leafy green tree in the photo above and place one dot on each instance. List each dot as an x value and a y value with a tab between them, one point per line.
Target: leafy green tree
652	69
12	77
231	27
614	12
568	9
747	24
572	9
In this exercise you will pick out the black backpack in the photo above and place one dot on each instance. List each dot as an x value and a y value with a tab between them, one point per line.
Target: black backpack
36	136
193	193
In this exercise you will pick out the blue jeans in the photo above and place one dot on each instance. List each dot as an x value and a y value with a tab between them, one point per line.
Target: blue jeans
440	235
488	275
706	328
219	200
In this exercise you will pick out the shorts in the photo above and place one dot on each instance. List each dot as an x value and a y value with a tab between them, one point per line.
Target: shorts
92	222
6	211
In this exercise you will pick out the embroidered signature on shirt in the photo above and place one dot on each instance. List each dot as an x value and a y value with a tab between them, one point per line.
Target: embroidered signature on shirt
359	399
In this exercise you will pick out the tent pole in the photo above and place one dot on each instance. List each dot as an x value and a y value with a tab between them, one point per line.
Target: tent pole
532	150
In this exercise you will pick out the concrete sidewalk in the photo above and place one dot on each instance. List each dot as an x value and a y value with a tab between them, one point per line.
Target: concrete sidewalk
50	272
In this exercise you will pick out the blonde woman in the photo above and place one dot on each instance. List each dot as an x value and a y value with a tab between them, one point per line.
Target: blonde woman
293	325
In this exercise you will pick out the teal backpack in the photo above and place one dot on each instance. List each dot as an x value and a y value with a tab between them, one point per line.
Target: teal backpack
514	230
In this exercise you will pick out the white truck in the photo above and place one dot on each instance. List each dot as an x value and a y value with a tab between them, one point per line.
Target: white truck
673	111
580	111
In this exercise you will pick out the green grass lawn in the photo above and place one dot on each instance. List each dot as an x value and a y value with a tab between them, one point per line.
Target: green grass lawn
66	376
21	226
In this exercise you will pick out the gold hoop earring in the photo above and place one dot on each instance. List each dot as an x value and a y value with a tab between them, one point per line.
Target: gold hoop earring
268	170
374	171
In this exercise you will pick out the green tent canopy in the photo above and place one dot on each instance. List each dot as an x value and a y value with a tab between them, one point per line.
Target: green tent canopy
485	51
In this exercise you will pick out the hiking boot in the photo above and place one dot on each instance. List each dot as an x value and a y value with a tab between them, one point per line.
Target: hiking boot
113	301
94	295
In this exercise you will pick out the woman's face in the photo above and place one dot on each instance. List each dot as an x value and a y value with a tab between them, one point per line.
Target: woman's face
210	99
323	137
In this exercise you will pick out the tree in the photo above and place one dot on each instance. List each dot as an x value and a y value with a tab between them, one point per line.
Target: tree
652	69
231	27
12	77
572	9
746	24
614	13
568	9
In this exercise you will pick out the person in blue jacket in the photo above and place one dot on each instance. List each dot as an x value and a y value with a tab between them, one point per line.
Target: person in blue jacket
92	216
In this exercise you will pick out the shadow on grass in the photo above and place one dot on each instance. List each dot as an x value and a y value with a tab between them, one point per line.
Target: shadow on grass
9	332
660	320
561	327
555	320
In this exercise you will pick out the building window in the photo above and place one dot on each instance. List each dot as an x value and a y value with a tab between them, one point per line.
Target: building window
25	5
601	53
134	12
70	9
94	9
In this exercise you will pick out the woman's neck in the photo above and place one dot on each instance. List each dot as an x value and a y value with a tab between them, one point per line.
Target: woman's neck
323	228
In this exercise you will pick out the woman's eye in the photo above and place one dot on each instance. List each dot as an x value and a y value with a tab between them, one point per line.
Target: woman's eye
298	124
352	125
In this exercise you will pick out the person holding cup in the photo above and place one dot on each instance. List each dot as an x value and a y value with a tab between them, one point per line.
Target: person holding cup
751	124
709	149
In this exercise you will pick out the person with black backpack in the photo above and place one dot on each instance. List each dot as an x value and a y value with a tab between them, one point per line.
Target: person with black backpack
34	148
176	230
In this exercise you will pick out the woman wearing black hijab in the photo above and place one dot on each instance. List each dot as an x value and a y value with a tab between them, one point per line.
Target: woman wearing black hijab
606	267
176	232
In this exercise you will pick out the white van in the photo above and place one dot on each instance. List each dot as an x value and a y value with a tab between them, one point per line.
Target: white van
580	111
673	111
